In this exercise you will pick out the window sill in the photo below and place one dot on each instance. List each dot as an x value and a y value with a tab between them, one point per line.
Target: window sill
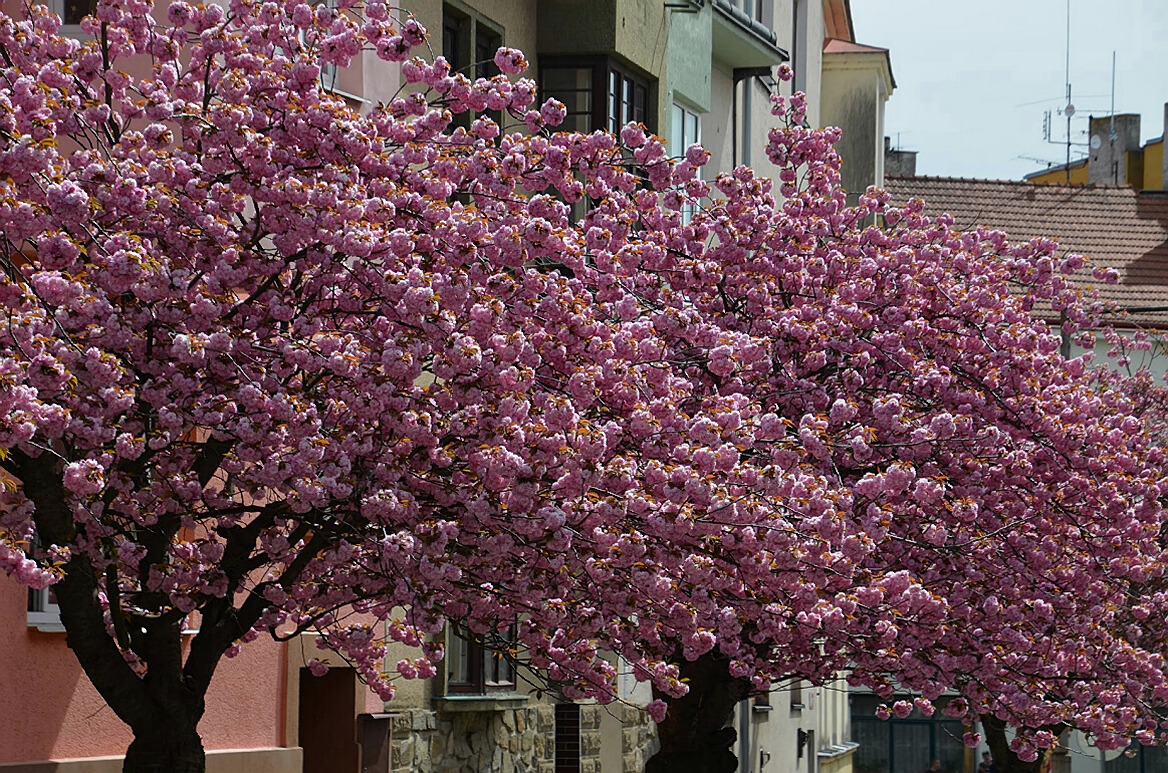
840	750
455	704
45	622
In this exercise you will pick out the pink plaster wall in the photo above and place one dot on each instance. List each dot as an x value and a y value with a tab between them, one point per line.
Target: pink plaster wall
49	710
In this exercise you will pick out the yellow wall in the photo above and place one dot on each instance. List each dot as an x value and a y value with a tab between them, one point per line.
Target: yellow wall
1059	176
1154	166
1145	169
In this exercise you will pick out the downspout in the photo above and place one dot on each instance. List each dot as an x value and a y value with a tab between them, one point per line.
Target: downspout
740	74
744	749
795	45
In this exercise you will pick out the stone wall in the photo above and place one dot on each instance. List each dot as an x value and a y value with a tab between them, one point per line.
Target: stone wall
639	739
511	740
504	741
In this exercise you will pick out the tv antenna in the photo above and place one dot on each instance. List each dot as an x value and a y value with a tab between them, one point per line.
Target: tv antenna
1069	110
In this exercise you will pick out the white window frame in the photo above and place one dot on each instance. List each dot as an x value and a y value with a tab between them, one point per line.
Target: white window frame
68	30
679	144
43	614
683	121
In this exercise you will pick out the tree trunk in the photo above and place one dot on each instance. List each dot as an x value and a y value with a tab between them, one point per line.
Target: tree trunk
694	737
166	748
1005	760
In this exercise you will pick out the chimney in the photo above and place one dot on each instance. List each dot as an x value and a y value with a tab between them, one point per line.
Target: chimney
903	163
1107	162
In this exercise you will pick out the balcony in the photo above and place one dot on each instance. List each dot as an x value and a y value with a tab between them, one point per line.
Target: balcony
741	38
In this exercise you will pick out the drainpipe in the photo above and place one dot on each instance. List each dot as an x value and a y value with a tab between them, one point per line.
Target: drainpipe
744	755
740	74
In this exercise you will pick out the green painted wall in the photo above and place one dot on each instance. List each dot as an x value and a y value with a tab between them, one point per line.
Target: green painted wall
688	60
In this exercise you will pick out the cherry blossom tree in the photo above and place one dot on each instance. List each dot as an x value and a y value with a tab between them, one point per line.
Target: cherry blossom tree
288	367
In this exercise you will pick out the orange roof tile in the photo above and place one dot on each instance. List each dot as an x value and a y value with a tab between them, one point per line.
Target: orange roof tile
1119	228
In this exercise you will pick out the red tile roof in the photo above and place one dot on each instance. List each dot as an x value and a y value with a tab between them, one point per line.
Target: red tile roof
1119	228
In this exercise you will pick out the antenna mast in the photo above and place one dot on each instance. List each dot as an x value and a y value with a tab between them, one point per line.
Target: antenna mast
1070	108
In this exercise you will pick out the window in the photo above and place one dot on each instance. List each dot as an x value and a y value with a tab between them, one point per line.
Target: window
328	72
567	738
469	42
686	129
628	98
599	93
472	669
797	695
43	612
72	11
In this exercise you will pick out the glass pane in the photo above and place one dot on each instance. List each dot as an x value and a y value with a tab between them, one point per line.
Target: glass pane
677	131
614	100
455	43
627	112
580	122
575	101
1123	764
567	78
694	134
874	741
457	660
76	10
949	748
486	44
910	747
1155	759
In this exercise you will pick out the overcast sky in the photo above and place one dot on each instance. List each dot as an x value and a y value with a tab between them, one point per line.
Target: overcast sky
973	79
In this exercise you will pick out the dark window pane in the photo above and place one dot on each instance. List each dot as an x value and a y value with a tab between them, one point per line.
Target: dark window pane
910	747
567	738
581	122
613	102
76	10
567	78
486	44
456	40
875	742
575	101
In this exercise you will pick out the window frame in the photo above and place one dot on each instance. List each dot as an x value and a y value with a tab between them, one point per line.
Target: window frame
43	612
488	670
605	72
678	145
474	34
70	29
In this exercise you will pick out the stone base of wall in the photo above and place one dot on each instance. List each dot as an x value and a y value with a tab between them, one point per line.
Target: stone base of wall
271	760
639	739
506	740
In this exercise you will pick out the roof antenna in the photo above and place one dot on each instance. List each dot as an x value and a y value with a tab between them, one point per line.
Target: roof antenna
1114	162
1069	110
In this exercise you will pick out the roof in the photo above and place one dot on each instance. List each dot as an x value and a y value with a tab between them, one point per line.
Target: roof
837	18
837	46
1115	227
